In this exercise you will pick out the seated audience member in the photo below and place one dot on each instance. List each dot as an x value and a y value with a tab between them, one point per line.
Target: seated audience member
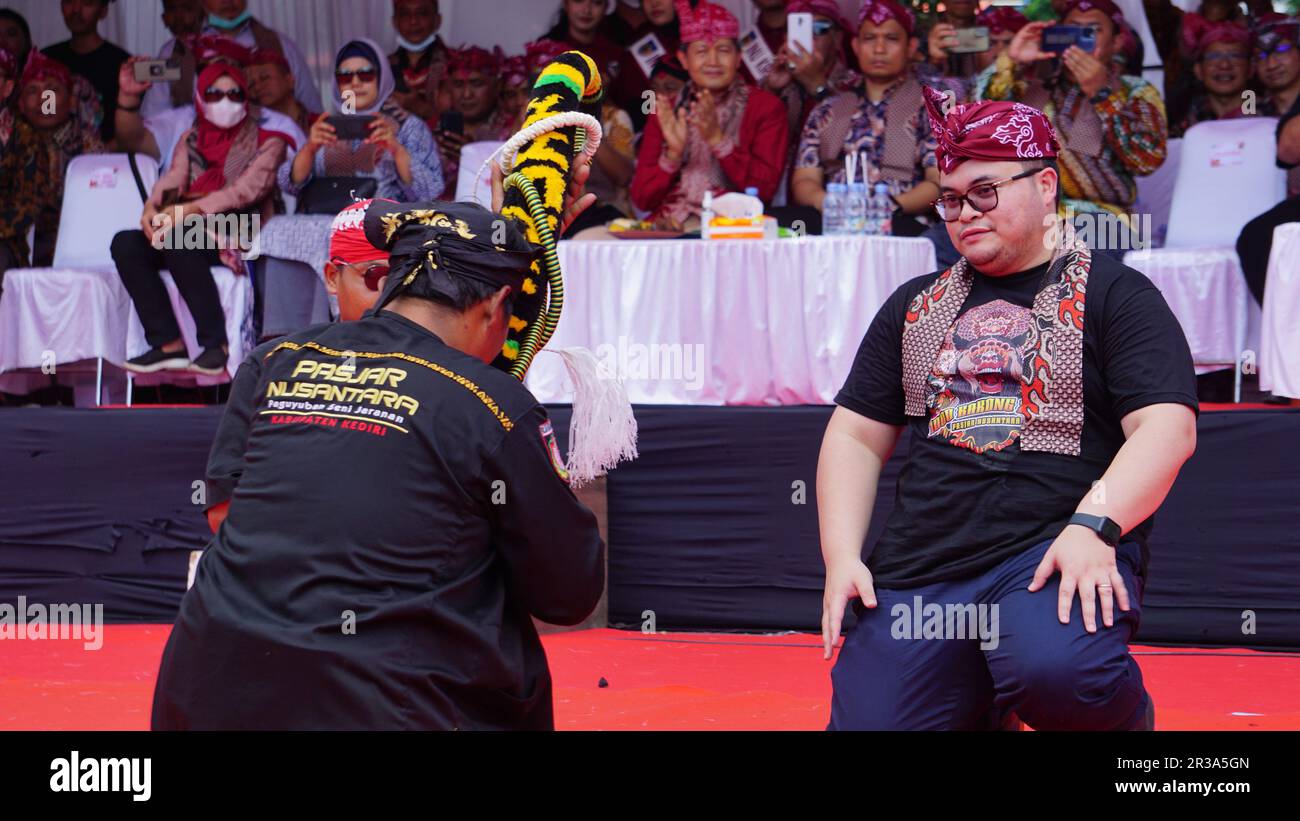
1003	23
1221	62
625	18
270	85
89	55
884	118
47	133
629	87
15	36
772	23
721	134
668	77
942	37
516	85
224	165
579	27
183	18
158	135
1112	126
420	62
400	154
230	20
1279	67
475	81
804	79
1277	63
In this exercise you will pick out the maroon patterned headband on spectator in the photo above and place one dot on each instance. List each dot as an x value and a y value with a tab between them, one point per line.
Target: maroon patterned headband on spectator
1270	32
878	11
1001	19
476	58
822	8
1199	33
992	131
539	53
707	22
514	70
40	67
210	49
1106	7
269	57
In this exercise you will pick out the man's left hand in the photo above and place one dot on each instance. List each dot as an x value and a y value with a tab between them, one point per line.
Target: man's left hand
703	115
1089	72
1088	565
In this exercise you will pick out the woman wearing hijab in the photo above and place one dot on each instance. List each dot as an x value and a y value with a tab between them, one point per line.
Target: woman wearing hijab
41	140
225	164
399	153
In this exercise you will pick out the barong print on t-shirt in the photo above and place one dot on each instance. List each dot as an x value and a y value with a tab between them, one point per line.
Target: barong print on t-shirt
975	397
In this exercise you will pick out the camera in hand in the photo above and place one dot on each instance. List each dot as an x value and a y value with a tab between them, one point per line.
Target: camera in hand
350	126
452	122
1058	38
157	71
973	40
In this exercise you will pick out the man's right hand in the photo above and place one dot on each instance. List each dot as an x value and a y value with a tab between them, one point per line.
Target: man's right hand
942	37
1026	45
127	83
672	126
322	134
845	580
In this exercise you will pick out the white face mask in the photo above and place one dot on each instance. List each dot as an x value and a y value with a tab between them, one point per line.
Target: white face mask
225	113
416	47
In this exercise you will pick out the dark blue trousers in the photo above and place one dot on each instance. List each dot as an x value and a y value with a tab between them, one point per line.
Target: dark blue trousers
890	676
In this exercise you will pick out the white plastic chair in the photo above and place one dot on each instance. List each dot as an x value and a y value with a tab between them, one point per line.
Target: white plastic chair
77	310
1227	176
472	155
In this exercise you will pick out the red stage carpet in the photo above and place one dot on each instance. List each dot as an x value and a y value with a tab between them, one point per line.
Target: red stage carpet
679	681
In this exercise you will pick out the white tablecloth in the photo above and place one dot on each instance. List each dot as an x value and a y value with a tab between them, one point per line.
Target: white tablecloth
1279	368
1207	292
739	322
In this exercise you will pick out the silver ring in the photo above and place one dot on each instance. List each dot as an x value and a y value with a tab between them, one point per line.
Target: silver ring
1104	587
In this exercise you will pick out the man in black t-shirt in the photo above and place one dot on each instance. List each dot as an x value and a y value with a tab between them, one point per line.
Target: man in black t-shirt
90	55
398	512
1039	382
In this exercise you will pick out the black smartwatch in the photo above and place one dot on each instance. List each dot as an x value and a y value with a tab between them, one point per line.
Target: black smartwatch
1104	526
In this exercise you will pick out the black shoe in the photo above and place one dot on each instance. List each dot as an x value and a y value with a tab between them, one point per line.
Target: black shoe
211	362
156	359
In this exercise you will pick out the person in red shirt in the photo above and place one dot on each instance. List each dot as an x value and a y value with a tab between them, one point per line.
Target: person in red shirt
580	27
720	134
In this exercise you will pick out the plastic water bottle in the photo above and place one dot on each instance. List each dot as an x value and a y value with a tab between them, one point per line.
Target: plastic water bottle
833	209
883	210
706	214
855	210
751	191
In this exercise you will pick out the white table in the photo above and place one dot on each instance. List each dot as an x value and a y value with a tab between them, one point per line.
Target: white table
725	322
1279	361
1207	293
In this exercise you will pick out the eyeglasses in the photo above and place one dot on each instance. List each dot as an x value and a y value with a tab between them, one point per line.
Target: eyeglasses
361	75
1223	57
216	95
372	274
822	27
1280	48
983	198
